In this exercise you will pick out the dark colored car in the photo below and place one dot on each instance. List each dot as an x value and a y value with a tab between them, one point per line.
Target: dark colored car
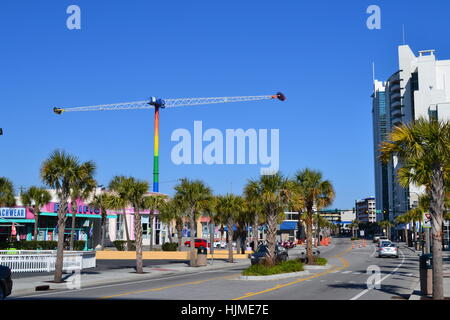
261	253
198	243
5	282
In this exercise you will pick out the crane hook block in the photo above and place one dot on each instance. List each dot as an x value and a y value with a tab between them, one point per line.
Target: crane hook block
281	96
57	110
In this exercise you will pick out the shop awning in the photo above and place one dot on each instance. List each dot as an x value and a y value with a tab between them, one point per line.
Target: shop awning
288	225
78	215
10	221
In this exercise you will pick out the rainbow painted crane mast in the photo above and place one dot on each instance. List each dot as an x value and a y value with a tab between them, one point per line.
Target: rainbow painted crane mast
155	103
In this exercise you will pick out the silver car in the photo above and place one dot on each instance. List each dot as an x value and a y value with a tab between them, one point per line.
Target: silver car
388	249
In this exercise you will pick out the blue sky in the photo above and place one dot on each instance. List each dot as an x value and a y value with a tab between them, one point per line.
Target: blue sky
319	53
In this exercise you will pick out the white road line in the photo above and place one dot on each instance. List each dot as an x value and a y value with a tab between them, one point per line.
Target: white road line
346	272
359	295
357	273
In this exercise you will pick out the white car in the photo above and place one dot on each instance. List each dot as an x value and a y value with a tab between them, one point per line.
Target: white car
388	249
220	244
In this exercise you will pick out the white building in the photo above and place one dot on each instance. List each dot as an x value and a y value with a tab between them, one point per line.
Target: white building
420	88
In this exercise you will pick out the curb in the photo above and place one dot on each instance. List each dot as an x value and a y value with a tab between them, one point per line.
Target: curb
89	283
416	294
274	277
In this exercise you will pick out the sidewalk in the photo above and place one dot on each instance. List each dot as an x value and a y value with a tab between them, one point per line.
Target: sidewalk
416	294
27	286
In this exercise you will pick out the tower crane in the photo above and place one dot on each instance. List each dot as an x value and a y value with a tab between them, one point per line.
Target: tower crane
156	104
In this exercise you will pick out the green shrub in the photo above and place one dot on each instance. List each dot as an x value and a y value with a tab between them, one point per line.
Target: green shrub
320	261
355	238
78	245
121	245
170	246
30	245
265	270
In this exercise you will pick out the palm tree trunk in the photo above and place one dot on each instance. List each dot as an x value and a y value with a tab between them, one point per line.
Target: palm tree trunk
255	233
192	255
138	239
72	231
169	228
127	233
60	249
212	227
271	237
102	239
230	242
151	229
179	235
437	212
309	251
36	225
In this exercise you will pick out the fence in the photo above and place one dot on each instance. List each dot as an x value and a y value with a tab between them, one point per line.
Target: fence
44	261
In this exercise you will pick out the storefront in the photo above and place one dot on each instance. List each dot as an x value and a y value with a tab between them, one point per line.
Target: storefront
16	224
118	222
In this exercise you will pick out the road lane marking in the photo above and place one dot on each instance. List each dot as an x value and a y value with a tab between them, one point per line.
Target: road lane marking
163	288
346	272
117	284
359	295
345	263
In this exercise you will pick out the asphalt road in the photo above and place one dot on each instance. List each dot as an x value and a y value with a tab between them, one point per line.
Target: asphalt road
347	279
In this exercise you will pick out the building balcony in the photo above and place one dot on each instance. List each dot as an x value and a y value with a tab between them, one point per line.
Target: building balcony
395	88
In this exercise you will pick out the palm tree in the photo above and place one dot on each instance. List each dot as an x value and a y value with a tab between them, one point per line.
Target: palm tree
353	226
82	191
120	201
153	203
209	210
423	148
62	172
101	203
172	211
272	194
229	207
192	195
35	198
316	194
136	193
6	193
254	211
386	225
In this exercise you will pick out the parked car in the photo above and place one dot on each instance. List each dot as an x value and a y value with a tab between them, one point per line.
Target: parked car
261	254
220	244
5	282
198	243
388	249
288	244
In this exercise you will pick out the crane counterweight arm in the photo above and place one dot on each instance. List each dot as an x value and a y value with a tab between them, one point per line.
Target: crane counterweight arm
168	103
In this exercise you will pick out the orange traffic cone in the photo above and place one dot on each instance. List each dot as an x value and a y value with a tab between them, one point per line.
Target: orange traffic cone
364	243
353	244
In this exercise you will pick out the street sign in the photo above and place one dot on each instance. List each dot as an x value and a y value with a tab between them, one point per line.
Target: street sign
361	233
426	220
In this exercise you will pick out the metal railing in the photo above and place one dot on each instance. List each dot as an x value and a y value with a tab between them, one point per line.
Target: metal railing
44	261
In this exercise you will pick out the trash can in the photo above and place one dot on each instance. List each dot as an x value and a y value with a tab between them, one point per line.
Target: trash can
426	274
202	254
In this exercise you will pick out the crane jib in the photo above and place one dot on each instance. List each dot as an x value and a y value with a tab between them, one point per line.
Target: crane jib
164	103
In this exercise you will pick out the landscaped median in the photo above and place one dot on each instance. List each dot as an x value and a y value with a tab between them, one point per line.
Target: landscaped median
285	269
